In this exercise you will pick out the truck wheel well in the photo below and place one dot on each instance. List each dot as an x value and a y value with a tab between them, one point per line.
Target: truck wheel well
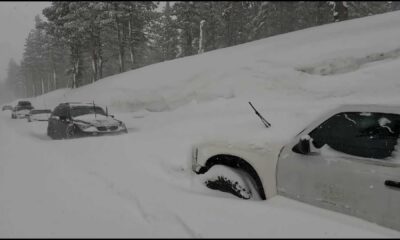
235	162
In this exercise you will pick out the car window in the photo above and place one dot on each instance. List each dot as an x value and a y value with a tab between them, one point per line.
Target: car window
60	111
24	103
83	110
40	111
371	135
56	111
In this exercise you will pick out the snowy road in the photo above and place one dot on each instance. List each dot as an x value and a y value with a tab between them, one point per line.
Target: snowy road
119	186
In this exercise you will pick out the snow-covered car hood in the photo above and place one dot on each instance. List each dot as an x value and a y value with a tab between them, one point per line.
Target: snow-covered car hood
97	120
22	112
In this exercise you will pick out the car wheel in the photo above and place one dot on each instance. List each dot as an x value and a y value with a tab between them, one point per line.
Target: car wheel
55	135
70	132
50	133
234	181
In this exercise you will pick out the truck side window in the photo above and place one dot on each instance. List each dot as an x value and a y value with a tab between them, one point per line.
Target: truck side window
370	135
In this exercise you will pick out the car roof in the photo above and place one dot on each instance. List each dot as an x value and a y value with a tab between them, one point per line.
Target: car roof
79	104
384	108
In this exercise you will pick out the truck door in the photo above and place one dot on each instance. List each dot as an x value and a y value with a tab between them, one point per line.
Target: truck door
355	169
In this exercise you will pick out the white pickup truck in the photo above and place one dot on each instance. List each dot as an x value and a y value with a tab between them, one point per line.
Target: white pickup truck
346	161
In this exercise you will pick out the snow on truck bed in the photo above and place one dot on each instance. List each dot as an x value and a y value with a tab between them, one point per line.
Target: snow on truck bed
140	184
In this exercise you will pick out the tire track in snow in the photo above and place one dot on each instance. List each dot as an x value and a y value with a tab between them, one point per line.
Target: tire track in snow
124	195
149	218
187	228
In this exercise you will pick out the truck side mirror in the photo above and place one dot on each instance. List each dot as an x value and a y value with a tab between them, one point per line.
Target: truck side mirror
303	146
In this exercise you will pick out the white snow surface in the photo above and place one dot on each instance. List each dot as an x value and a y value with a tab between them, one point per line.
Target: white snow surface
140	184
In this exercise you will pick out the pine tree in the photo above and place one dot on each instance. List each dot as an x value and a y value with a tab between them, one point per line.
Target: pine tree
235	16
211	13
187	21
367	8
341	11
14	79
65	18
163	36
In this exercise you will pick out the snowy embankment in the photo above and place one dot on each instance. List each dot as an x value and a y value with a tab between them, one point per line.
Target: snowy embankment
140	184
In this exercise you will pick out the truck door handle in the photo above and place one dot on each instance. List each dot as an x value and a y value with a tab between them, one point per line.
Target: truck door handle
391	183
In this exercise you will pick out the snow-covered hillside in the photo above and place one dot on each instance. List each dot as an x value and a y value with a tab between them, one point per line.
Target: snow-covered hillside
140	184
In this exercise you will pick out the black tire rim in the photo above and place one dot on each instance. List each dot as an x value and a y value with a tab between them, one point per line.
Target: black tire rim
70	132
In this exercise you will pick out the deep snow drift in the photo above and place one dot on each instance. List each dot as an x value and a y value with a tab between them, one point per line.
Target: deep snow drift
140	184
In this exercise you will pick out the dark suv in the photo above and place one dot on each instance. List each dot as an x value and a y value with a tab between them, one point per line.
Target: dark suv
70	120
21	110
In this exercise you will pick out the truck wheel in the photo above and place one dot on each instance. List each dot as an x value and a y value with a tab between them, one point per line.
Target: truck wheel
230	180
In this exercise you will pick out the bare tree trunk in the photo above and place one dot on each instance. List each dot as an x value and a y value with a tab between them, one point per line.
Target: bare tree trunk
26	90
121	53
99	58
94	46
42	82
201	38
100	67
94	66
131	44
75	73
34	89
54	79
74	80
48	83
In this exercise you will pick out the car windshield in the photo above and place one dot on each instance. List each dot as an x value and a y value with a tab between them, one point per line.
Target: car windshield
24	103
83	110
19	108
40	111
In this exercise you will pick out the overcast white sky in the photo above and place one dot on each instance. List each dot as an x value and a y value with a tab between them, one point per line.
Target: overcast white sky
16	20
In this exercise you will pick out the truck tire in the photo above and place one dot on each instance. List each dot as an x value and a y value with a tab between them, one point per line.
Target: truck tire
234	181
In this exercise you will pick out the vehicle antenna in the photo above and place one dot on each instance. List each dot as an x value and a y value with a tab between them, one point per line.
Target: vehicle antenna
266	123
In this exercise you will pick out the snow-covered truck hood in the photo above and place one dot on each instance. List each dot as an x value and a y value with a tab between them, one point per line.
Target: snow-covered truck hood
262	158
97	120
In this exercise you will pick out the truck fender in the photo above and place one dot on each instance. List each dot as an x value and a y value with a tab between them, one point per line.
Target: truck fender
235	162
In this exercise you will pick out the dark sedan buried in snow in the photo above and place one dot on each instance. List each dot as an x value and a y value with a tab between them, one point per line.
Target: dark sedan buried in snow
70	120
